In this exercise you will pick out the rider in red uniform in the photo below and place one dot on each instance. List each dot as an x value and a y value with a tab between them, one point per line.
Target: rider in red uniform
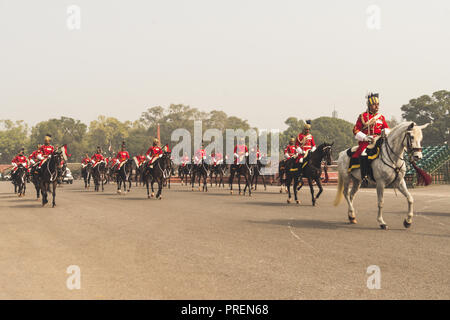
240	150
369	125
140	159
290	151
97	157
45	150
122	156
154	152
184	159
305	141
19	159
200	155
85	160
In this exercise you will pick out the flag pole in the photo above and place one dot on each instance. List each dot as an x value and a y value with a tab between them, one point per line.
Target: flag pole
158	133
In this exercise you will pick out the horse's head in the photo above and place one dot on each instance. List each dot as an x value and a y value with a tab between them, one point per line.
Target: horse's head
326	152
413	140
165	160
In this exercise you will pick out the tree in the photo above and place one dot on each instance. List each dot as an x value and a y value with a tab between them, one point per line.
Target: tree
434	109
64	131
13	137
104	132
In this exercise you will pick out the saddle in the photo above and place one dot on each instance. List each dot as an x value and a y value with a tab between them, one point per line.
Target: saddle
372	151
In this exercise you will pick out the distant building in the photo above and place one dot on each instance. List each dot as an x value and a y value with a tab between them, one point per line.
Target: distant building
334	114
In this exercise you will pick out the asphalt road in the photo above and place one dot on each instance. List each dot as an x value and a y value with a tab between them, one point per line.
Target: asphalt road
193	245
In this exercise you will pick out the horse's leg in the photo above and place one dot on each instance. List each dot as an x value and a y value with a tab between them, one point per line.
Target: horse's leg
153	190
44	193
248	179
264	182
54	194
288	184
380	191
160	184
404	190
294	187
311	188
319	184
231	181
349	198
239	181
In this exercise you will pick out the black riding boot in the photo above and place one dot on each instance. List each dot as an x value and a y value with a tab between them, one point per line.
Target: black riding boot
364	165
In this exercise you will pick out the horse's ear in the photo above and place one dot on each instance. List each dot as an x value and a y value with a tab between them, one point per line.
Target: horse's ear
424	126
411	126
331	144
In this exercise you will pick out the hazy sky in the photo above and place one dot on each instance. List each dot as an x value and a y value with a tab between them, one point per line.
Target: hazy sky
260	60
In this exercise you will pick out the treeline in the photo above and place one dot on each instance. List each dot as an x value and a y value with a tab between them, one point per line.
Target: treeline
110	132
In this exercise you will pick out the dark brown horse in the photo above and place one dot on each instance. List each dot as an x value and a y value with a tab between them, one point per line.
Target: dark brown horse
48	176
310	168
242	169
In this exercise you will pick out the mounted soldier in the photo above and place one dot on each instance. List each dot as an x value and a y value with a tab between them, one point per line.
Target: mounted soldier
291	150
200	155
45	150
122	156
85	161
240	152
369	126
97	157
305	141
154	152
19	160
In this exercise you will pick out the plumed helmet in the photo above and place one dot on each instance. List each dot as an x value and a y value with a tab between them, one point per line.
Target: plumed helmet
48	137
307	126
372	98
292	140
155	141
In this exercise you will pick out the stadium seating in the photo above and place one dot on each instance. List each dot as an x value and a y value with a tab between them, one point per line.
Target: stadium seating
435	161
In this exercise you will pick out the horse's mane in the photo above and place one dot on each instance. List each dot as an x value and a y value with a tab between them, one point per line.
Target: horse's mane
400	128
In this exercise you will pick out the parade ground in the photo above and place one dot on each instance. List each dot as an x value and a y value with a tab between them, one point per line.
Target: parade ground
195	245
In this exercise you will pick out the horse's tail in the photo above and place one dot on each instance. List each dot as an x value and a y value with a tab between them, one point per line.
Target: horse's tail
340	188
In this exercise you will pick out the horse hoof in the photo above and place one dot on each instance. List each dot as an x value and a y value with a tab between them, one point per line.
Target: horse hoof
352	220
288	200
384	226
231	192
297	201
281	191
148	197
406	224
160	198
119	192
152	195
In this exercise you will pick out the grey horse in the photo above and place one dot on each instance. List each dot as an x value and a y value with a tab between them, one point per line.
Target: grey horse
389	169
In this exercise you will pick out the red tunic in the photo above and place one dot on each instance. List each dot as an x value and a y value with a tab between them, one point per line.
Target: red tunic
46	150
239	150
123	155
290	151
154	151
370	125
97	158
20	160
33	156
140	159
305	141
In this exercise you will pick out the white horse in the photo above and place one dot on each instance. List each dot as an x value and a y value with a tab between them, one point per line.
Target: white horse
389	168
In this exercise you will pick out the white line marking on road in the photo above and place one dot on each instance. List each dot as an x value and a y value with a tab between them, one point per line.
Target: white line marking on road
298	237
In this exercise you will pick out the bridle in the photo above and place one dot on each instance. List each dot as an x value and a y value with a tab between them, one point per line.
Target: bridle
409	149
